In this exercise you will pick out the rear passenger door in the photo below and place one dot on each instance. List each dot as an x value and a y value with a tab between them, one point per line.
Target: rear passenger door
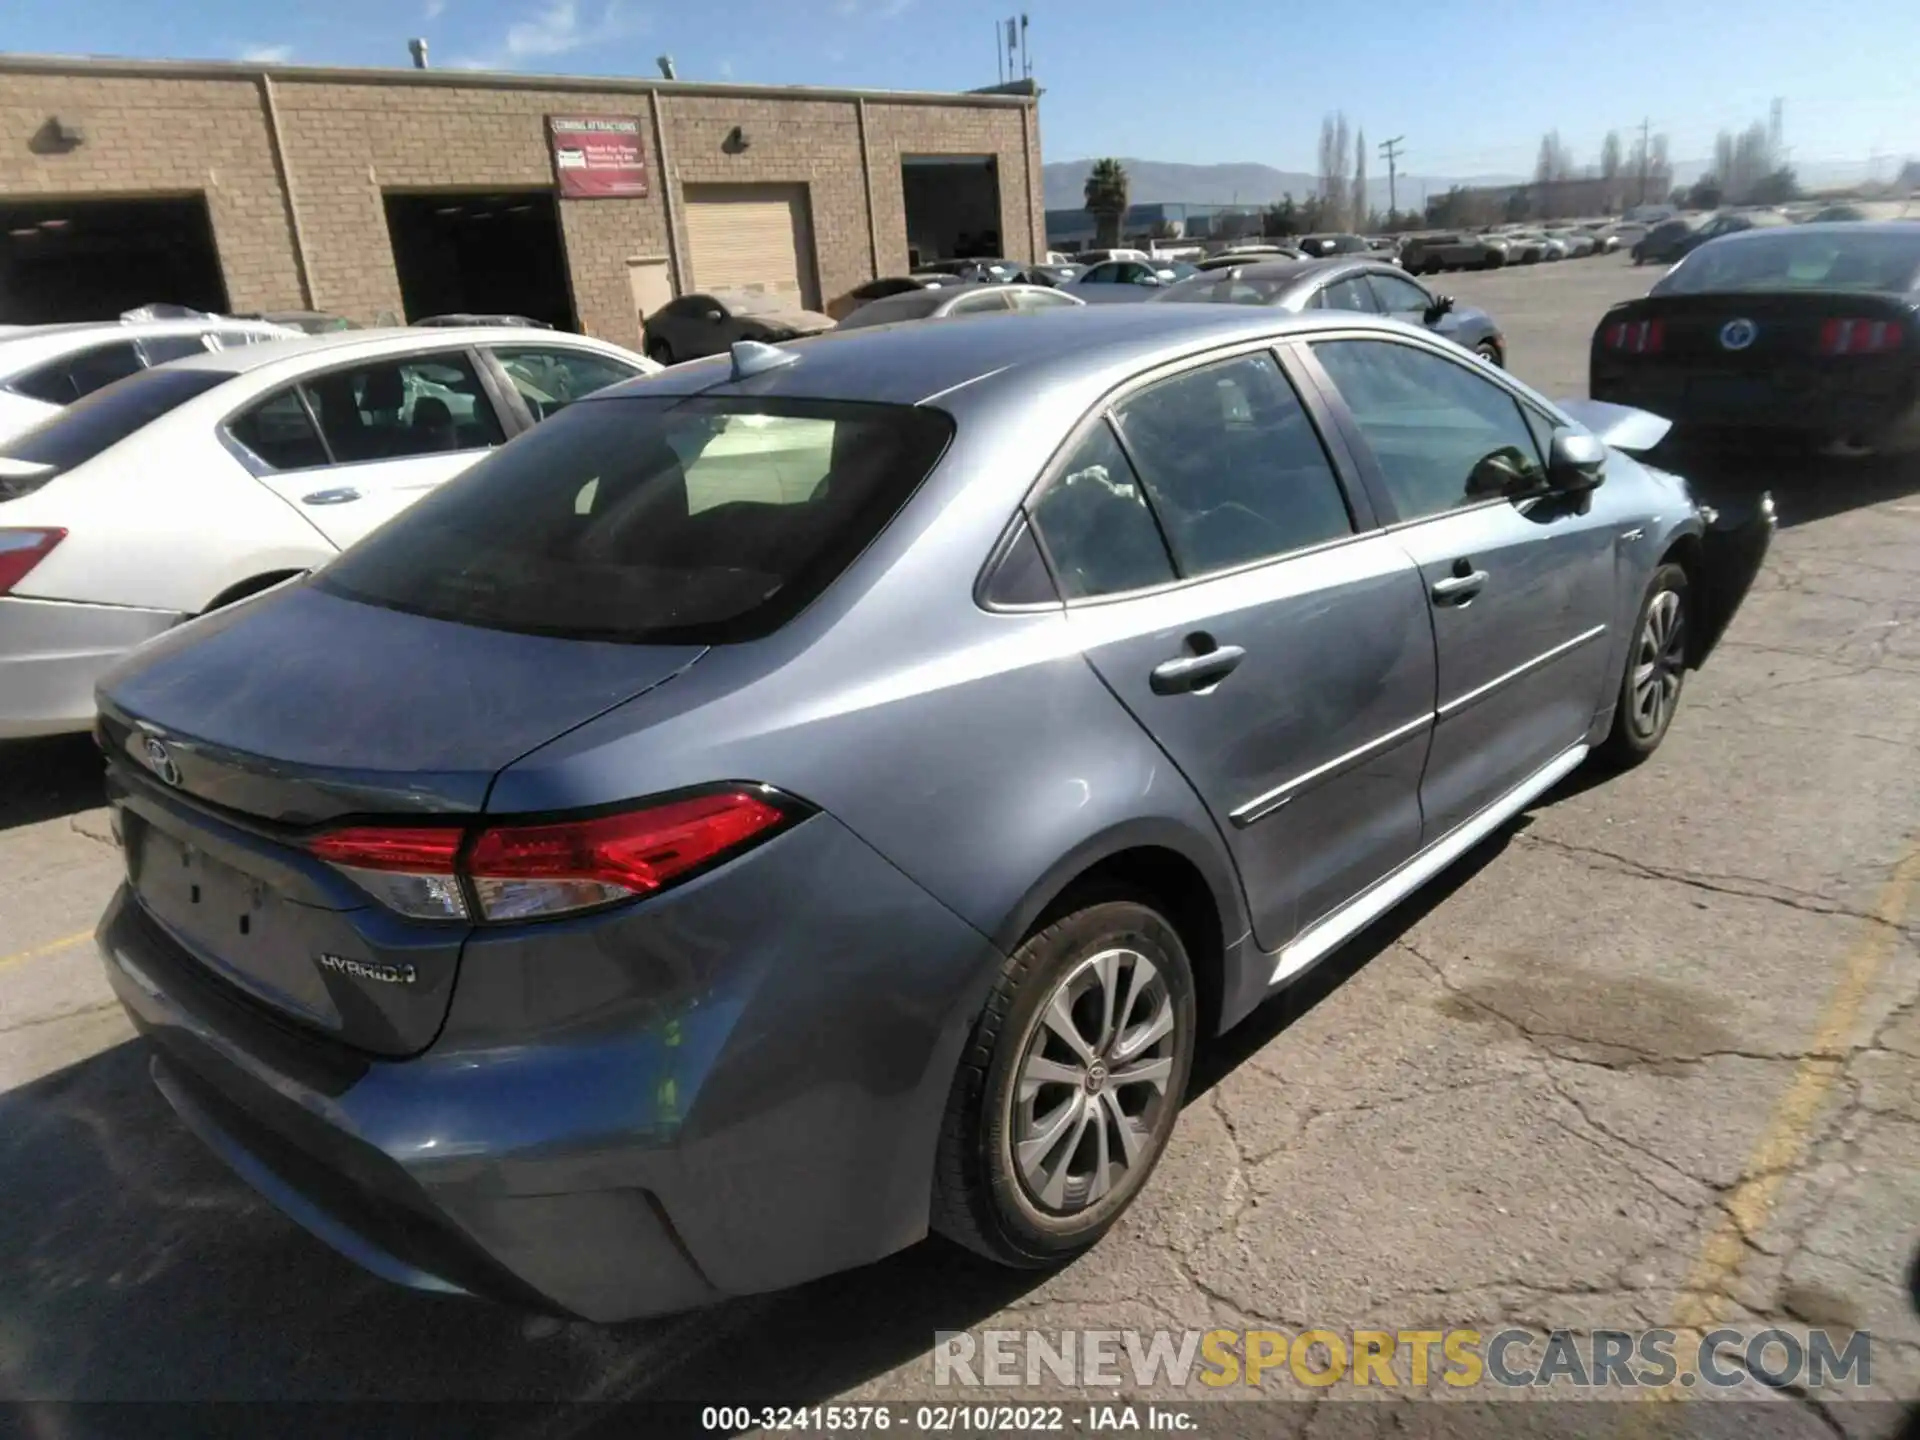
1520	590
1225	587
352	447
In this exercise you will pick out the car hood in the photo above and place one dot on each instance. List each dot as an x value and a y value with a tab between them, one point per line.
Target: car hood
302	706
798	322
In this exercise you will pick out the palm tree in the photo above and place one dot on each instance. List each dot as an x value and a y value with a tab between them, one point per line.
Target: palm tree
1106	194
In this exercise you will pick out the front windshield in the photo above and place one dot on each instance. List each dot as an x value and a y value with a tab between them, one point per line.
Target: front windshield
1794	258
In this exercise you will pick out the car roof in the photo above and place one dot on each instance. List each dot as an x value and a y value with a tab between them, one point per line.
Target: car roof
23	348
346	345
1763	234
1075	351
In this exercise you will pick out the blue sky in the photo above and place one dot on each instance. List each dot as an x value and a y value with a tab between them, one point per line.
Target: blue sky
1471	84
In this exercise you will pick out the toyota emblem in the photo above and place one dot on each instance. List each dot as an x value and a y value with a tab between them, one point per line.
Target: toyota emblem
160	761
1738	334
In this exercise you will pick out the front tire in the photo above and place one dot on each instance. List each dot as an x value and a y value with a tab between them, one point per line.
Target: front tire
1655	673
1069	1086
1490	352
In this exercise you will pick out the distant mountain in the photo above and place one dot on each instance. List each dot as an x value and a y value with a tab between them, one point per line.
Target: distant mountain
1158	182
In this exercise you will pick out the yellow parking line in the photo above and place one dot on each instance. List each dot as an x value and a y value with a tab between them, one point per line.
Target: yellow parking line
51	947
1702	1304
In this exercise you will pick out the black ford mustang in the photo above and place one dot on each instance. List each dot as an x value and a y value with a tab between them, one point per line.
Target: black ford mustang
1807	330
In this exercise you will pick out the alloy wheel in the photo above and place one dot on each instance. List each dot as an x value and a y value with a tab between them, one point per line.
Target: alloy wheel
1659	662
1093	1087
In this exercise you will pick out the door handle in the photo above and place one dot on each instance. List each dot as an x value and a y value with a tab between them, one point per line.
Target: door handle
1457	588
340	495
1187	673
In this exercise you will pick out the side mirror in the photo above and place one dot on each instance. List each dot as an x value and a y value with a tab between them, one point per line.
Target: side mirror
1442	306
1576	462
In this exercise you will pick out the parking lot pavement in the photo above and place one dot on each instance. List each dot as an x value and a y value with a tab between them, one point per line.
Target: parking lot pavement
1650	1057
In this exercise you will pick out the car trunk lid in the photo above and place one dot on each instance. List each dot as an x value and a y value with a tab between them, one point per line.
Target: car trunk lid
234	740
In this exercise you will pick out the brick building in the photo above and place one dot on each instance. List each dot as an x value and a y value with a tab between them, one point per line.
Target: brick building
397	193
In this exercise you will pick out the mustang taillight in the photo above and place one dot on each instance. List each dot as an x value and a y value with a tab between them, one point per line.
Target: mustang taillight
531	872
1636	337
21	550
1861	337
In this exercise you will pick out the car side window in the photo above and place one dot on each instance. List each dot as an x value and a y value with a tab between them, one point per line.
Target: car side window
1233	465
394	409
1349	294
550	378
1398	297
1443	436
1099	274
62	381
1099	533
279	431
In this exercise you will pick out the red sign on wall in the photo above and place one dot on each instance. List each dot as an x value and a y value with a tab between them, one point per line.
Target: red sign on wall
597	157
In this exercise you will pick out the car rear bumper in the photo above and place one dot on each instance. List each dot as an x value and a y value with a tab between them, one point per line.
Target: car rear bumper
53	651
709	1094
1823	407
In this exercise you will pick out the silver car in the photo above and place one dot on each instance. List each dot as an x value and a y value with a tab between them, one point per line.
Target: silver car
793	802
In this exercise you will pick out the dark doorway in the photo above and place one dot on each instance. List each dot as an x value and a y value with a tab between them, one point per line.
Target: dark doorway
495	254
953	207
64	260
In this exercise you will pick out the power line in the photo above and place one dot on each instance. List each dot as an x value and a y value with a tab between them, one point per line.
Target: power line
1391	149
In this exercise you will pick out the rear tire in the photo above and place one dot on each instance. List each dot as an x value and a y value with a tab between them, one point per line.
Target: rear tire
1655	672
1059	1114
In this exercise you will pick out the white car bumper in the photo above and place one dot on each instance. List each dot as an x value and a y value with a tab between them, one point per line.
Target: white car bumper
52	652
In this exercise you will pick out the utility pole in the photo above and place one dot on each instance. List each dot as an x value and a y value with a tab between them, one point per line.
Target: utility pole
1391	149
1646	159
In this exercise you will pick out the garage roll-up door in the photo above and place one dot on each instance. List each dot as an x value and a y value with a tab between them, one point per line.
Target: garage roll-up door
754	237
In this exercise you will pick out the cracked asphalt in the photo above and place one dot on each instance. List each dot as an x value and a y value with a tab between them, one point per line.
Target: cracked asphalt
1648	1058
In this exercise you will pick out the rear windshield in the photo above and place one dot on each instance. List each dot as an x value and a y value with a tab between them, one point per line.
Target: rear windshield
1793	258
106	417
652	519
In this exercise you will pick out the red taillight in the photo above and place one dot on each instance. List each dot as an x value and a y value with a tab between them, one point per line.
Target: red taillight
379	847
527	872
411	870
1635	337
1861	337
21	550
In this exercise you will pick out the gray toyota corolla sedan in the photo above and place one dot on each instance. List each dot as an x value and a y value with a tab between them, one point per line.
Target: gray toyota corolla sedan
826	793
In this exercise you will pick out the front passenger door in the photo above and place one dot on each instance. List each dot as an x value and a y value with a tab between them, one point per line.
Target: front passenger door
1273	644
1520	591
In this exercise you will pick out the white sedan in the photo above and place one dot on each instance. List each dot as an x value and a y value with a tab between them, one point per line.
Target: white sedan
46	367
189	486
